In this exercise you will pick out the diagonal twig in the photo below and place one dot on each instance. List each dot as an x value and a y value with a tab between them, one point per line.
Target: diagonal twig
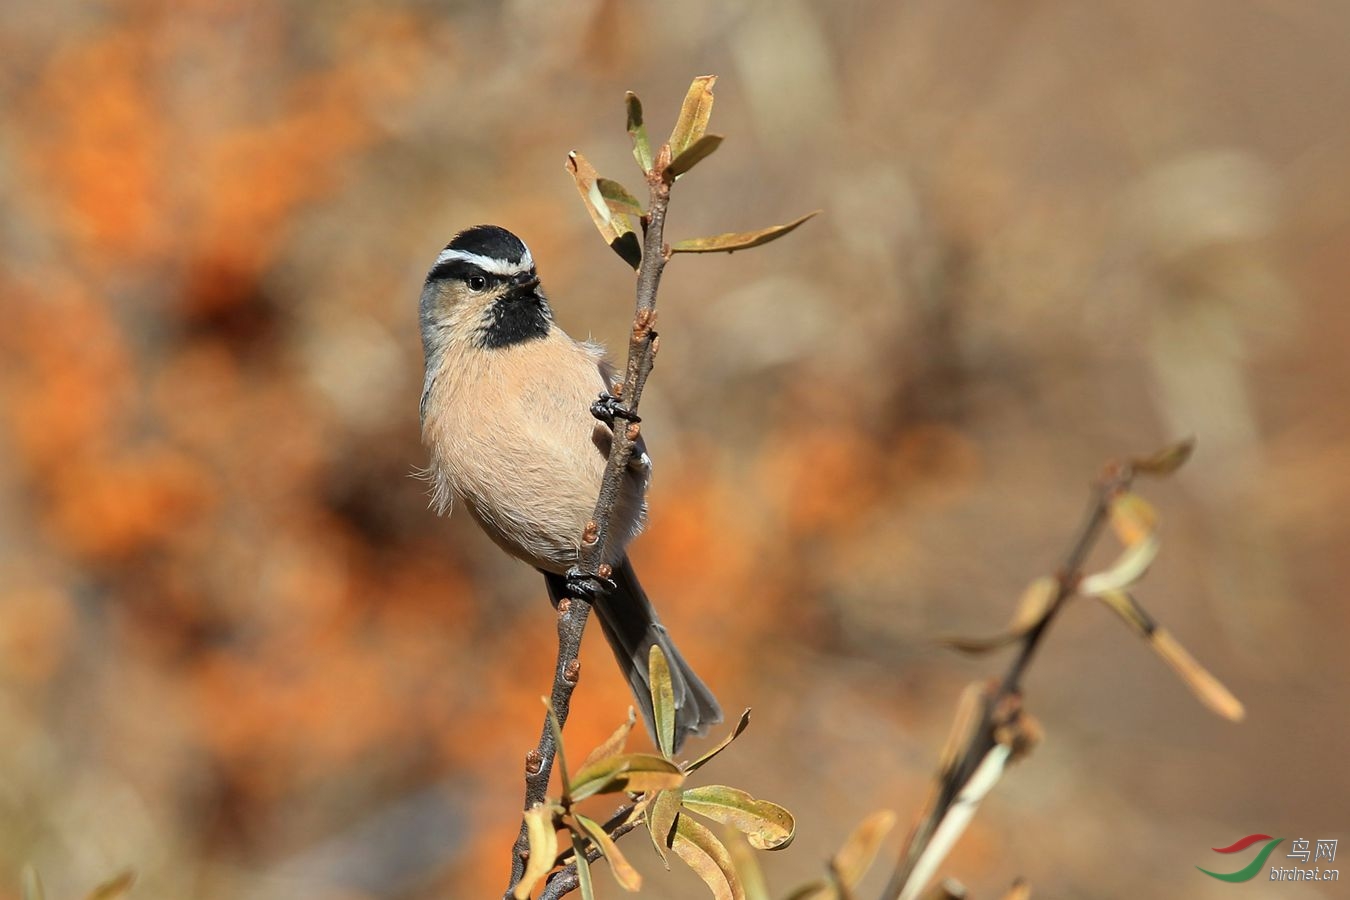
1001	720
573	612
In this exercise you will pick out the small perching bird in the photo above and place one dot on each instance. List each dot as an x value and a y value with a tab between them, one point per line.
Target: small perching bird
516	433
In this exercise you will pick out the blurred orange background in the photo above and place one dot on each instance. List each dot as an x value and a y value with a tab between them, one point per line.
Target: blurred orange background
239	654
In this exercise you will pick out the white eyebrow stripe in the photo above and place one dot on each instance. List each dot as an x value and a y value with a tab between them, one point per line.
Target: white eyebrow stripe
487	263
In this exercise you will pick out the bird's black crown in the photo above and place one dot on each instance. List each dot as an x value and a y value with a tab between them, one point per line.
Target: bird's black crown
491	241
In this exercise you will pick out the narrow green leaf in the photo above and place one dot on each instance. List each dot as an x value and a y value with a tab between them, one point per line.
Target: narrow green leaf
663	699
556	730
637	130
612	745
661	815
767	826
703	760
543	849
694	114
737	240
709	859
624	873
698	151
1167	460
856	856
617	198
614	227
113	888
583	867
631	772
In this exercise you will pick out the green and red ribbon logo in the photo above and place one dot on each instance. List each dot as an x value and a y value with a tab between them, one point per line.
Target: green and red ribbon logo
1247	872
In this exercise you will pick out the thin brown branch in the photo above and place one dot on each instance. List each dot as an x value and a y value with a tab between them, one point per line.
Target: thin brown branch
566	880
1001	717
573	612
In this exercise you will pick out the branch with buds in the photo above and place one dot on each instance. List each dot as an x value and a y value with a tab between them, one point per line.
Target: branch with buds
613	210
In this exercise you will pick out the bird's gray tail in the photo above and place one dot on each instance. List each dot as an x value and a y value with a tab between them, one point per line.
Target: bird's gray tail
632	629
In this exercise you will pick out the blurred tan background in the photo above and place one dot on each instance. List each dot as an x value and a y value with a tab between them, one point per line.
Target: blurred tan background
238	653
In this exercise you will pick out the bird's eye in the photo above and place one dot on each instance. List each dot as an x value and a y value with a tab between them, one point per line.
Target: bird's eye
477	283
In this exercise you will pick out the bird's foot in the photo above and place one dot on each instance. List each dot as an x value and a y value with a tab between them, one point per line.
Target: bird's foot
608	408
588	587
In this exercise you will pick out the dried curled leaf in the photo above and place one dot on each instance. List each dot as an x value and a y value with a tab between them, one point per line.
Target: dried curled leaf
709	859
1034	603
617	198
694	115
737	240
624	873
1165	461
637	130
767	826
698	151
613	226
703	760
663	699
543	849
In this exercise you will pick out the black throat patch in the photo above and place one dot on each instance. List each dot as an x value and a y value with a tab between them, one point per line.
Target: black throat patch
515	319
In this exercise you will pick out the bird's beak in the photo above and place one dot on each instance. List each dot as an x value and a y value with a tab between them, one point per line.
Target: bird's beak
523	285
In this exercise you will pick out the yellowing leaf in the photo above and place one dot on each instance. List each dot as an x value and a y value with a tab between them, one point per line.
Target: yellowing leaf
637	130
617	198
543	849
694	115
709	859
698	151
737	240
614	227
663	699
632	772
661	814
624	873
1205	686
1208	689
556	730
855	857
1018	890
1132	518
767	826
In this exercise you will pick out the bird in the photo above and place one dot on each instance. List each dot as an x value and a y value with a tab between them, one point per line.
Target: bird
518	418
